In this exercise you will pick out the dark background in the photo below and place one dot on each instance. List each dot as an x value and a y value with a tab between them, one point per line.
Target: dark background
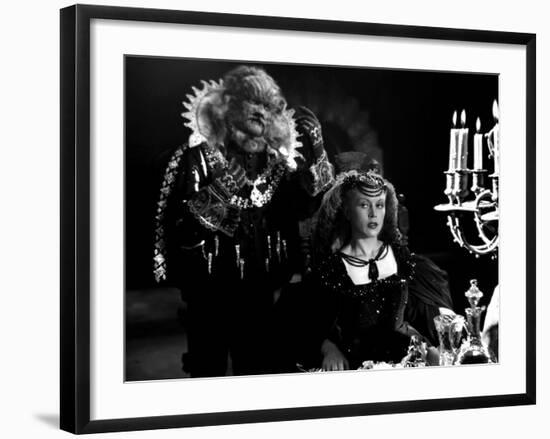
405	115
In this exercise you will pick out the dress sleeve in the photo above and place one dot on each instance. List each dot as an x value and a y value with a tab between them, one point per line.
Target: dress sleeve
399	301
428	291
318	176
181	205
326	305
171	174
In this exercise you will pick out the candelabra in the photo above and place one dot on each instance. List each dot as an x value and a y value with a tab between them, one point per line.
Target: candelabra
475	203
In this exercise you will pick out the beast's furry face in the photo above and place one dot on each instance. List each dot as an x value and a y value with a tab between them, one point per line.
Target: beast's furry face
250	117
253	104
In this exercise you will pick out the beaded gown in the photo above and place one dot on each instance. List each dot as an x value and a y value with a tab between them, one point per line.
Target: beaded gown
374	321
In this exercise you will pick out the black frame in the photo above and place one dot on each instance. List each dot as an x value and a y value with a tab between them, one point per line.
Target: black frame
75	217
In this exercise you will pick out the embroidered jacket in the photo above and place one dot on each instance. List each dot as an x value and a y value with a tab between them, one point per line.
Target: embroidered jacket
254	228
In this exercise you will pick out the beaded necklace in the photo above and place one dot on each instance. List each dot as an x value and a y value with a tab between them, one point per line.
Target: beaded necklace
262	187
260	196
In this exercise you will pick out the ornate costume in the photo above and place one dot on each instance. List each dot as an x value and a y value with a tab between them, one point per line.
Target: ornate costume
401	293
374	321
227	220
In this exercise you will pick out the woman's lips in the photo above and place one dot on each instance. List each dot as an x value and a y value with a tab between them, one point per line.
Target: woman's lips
372	225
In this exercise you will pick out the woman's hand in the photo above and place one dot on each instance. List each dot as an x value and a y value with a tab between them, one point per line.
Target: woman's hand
333	359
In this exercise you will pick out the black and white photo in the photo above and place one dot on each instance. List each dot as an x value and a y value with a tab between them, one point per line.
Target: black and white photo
280	218
272	219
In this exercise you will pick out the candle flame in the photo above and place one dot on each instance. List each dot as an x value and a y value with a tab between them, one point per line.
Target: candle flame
463	117
454	119
478	125
496	111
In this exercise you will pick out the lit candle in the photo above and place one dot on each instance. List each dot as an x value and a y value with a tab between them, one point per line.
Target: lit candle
451	178
452	145
478	147
496	137
209	263
241	265
462	159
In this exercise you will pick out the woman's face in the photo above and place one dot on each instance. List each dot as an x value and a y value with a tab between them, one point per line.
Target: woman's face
365	214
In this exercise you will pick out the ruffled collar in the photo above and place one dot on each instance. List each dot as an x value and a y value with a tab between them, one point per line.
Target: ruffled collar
205	117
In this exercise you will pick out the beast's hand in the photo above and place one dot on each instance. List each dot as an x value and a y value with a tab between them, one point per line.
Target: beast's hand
309	127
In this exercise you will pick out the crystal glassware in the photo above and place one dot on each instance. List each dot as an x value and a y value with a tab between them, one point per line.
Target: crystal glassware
456	334
443	326
416	354
473	350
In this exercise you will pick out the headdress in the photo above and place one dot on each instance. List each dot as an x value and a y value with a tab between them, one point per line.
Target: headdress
369	183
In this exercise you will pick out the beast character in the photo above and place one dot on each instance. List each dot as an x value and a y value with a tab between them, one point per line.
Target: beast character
228	214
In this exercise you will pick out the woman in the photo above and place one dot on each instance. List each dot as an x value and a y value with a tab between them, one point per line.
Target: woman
372	294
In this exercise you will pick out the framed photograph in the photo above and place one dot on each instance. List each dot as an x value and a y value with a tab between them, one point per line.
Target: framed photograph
268	219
